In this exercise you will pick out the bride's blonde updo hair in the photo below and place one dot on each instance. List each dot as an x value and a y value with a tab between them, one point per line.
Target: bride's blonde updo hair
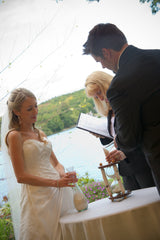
96	81
17	97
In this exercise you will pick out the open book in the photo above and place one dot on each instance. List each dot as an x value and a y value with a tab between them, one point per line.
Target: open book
93	124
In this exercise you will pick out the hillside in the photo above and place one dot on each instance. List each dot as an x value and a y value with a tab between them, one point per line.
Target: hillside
62	112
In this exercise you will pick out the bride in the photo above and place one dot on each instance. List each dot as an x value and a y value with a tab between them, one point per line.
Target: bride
44	185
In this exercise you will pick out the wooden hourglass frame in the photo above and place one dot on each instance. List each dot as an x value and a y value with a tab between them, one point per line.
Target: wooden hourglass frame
122	193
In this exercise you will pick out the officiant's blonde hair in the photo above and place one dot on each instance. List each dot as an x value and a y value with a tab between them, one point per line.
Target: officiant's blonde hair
98	80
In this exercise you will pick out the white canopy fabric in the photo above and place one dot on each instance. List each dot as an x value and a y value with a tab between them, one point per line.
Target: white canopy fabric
41	42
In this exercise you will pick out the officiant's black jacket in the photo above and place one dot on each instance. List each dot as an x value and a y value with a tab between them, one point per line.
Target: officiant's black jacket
134	95
134	163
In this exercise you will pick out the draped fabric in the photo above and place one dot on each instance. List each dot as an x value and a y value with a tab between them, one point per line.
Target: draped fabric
14	189
40	47
42	41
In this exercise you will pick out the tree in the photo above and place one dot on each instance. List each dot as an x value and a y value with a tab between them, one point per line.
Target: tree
55	124
155	7
154	4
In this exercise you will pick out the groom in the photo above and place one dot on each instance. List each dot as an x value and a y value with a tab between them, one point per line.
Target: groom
134	93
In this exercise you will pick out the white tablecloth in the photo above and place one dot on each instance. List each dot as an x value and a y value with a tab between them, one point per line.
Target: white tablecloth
135	218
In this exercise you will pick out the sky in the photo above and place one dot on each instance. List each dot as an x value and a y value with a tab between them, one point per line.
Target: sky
41	41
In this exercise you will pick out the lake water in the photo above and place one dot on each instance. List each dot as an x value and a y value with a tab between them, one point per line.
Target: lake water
73	148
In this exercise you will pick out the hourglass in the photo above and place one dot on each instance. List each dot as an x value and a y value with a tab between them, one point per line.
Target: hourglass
113	183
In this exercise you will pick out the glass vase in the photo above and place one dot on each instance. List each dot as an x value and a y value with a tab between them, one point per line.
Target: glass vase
79	199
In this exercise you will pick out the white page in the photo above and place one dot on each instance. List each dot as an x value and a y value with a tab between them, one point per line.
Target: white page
93	124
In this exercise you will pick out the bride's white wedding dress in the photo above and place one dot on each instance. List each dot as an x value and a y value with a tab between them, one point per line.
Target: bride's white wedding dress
41	207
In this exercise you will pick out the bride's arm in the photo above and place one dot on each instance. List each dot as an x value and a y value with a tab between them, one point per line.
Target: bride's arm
60	168
57	165
15	146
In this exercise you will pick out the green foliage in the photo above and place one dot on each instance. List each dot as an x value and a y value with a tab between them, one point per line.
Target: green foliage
85	180
62	112
6	227
154	4
56	125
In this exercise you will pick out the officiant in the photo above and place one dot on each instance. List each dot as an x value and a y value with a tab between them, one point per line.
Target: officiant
133	166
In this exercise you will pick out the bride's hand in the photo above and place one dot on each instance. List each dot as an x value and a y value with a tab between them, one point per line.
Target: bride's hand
68	180
71	174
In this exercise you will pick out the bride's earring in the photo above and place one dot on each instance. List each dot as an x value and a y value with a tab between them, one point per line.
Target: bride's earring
19	120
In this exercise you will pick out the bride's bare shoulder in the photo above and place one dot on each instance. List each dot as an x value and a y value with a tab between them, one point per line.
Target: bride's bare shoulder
12	135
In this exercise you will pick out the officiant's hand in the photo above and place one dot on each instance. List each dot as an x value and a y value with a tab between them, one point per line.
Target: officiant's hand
115	155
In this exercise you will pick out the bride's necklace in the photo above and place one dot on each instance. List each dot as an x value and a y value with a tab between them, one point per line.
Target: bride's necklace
31	134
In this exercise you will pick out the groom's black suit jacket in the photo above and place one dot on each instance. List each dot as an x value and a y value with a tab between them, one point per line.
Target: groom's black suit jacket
134	95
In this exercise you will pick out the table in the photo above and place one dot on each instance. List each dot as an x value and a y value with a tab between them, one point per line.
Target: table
135	218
